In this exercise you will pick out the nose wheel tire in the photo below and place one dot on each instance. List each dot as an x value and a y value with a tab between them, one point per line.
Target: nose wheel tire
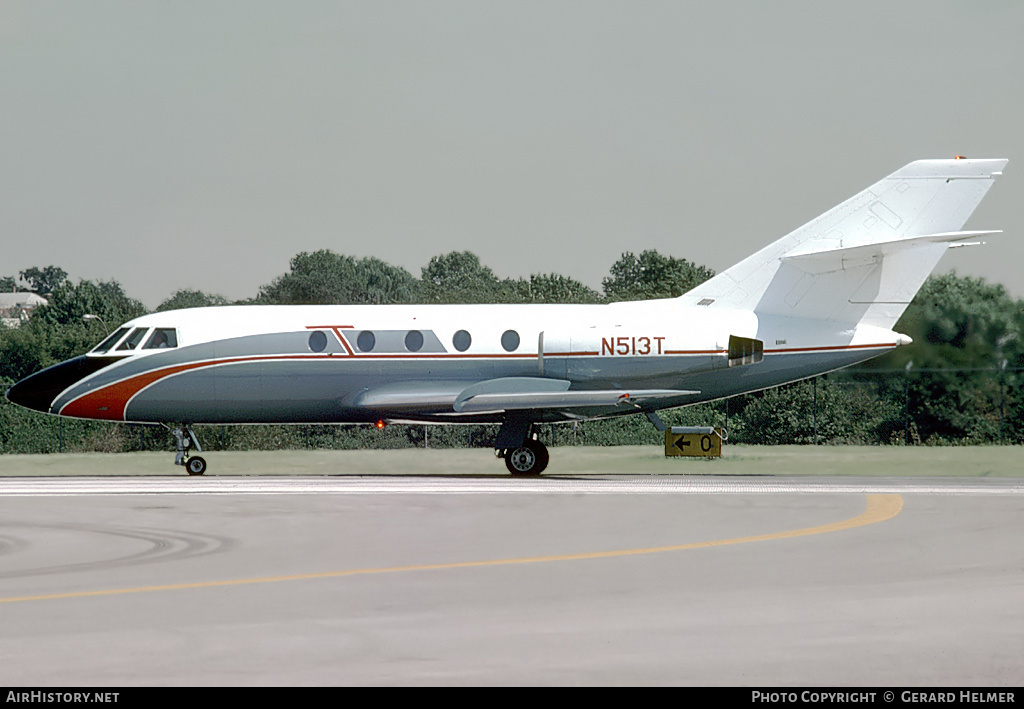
529	459
195	466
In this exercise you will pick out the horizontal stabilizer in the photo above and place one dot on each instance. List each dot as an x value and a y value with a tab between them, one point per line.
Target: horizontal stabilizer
825	260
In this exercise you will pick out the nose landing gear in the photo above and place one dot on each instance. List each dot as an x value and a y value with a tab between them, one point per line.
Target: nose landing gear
185	439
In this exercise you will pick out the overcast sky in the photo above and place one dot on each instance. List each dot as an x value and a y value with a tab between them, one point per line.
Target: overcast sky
177	144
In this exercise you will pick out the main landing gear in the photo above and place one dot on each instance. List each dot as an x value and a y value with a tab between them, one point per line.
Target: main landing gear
185	439
528	459
524	455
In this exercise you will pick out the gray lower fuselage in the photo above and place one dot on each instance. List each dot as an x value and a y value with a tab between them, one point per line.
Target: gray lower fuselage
274	378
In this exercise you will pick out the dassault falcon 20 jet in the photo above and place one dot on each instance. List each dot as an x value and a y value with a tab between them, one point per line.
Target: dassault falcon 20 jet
823	297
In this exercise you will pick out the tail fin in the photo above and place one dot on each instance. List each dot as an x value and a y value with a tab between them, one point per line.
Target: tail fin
863	261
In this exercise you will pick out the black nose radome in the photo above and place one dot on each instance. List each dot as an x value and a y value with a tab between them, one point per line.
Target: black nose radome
40	389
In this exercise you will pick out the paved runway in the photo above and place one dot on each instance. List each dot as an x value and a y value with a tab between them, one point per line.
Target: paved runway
499	484
447	580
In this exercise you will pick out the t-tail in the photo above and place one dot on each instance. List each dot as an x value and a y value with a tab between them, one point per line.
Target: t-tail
862	262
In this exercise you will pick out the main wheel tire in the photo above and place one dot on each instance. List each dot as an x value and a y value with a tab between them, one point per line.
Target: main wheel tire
529	459
195	466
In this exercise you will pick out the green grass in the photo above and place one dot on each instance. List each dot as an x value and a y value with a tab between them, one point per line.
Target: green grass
828	461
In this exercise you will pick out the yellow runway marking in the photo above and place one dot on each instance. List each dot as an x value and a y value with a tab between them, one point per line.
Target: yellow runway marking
879	508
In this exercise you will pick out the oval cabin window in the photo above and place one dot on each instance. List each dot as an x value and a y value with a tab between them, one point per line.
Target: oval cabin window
366	341
461	340
510	340
414	341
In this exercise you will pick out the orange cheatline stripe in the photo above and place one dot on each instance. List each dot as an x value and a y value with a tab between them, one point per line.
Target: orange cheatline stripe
109	402
878	508
677	352
834	347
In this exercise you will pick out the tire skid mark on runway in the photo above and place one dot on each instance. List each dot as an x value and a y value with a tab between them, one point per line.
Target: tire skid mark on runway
162	545
878	508
12	545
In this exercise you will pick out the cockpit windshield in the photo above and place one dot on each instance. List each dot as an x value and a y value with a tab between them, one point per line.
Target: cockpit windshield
161	338
110	341
133	340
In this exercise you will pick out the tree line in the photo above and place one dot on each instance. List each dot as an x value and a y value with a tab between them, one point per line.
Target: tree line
958	383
